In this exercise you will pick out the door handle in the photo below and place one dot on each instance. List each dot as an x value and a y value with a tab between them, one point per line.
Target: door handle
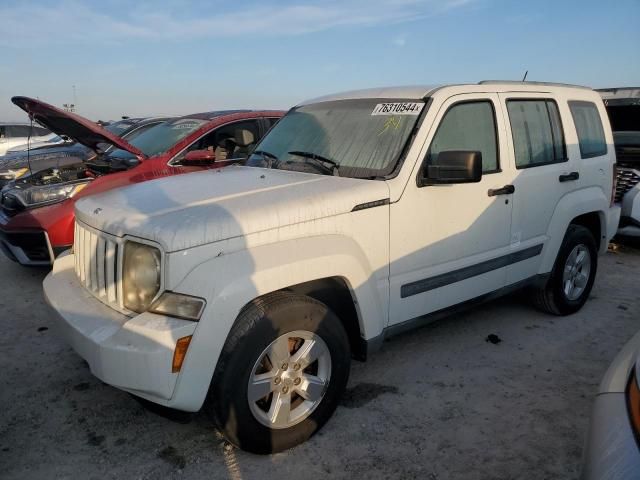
506	190
567	177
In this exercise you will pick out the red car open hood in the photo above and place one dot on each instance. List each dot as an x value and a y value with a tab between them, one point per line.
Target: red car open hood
74	126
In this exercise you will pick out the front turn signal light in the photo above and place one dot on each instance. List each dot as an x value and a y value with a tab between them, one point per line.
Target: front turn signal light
633	404
179	353
179	305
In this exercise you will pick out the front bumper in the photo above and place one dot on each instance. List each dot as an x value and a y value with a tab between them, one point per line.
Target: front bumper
611	451
27	247
130	353
630	214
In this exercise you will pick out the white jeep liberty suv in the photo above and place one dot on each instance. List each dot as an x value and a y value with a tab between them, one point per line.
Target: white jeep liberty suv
249	289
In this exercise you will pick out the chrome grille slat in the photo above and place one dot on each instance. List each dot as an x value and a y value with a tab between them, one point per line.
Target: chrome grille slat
75	247
93	267
111	273
100	266
86	258
96	264
627	178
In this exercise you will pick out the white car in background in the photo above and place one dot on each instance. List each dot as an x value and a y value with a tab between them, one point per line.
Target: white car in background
50	140
14	134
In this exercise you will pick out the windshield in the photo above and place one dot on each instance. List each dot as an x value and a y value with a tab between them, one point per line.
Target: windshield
118	128
350	138
162	137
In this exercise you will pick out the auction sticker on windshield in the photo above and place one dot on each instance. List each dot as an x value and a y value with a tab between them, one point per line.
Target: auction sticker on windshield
401	108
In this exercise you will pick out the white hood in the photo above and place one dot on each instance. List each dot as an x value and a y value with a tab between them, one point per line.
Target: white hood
194	209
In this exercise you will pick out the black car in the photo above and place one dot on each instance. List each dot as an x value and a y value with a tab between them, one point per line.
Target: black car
623	107
19	164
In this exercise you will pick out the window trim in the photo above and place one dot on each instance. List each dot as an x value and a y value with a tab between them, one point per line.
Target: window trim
498	168
565	157
591	104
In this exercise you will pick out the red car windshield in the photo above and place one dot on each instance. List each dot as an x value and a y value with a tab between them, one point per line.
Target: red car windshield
162	137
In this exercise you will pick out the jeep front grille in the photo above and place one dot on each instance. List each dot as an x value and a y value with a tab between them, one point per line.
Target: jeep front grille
97	264
627	179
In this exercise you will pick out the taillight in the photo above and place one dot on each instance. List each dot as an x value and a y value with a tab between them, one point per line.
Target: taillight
614	184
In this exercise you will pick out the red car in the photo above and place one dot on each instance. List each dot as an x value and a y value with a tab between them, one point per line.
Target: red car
37	212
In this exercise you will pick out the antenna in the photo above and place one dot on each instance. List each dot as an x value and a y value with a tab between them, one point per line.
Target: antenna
525	75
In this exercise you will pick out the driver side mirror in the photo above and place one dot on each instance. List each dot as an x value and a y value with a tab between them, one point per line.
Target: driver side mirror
198	157
453	166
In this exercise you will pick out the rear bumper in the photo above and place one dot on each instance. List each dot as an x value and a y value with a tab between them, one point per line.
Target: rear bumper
133	354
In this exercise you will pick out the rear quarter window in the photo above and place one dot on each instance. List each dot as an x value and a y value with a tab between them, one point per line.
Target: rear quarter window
586	118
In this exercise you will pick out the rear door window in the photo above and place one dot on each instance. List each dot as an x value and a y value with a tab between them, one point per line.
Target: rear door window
538	137
589	129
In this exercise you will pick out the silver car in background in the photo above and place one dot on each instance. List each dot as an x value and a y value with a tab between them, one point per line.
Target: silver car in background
612	451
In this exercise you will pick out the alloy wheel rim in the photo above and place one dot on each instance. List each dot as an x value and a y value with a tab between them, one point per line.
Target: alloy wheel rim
577	270
289	379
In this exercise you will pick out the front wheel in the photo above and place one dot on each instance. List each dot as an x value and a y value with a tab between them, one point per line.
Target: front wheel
573	274
281	373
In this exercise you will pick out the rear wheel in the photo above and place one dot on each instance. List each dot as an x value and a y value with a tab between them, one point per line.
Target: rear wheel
281	373
573	274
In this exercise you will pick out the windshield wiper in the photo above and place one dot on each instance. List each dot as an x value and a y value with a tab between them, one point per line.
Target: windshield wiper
268	155
319	158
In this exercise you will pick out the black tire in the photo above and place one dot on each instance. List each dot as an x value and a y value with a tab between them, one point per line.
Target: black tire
258	325
551	298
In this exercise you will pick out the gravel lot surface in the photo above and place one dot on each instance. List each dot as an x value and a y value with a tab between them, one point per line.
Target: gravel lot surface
441	402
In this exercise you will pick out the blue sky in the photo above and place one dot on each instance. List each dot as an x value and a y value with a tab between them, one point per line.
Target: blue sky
182	56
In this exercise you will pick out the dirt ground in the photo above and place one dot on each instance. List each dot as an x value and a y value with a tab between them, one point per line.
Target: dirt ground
441	402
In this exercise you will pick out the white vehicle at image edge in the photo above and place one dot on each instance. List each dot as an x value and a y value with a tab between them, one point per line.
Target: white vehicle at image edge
15	134
50	140
612	451
247	290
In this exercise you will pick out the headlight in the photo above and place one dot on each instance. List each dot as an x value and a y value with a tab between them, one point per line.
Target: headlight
45	195
10	175
141	276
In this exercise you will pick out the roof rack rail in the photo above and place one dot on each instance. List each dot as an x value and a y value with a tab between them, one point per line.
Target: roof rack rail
517	82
